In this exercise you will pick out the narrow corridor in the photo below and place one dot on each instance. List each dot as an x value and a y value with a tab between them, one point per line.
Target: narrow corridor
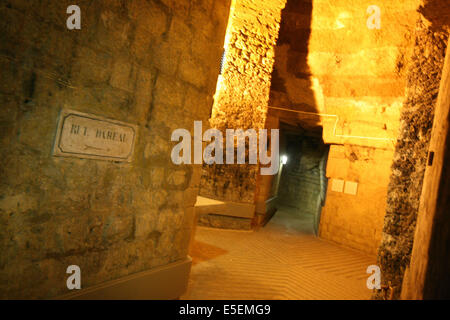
283	260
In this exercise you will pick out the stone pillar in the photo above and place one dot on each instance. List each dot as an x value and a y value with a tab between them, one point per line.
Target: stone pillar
428	274
242	96
410	156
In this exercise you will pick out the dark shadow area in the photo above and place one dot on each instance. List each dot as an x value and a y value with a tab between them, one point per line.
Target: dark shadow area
437	12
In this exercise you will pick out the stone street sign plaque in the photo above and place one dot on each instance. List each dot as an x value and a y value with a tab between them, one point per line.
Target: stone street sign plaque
88	136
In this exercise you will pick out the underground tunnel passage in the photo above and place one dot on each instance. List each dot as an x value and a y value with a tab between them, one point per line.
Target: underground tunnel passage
303	183
224	150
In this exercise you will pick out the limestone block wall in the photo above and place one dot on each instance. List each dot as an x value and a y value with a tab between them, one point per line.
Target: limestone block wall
329	62
266	191
356	220
292	86
300	185
410	158
242	95
360	71
149	63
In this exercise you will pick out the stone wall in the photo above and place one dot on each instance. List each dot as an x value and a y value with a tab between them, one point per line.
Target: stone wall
356	220
301	185
267	186
242	95
410	157
330	63
150	63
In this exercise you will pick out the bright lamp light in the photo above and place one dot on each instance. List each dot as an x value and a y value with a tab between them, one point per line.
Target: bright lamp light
284	160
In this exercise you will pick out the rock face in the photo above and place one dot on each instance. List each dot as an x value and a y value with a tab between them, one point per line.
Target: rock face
149	63
329	63
410	156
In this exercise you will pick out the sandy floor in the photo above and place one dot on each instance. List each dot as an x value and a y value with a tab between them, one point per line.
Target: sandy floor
283	260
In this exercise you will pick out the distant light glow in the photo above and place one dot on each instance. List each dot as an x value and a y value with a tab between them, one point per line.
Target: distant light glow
284	160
